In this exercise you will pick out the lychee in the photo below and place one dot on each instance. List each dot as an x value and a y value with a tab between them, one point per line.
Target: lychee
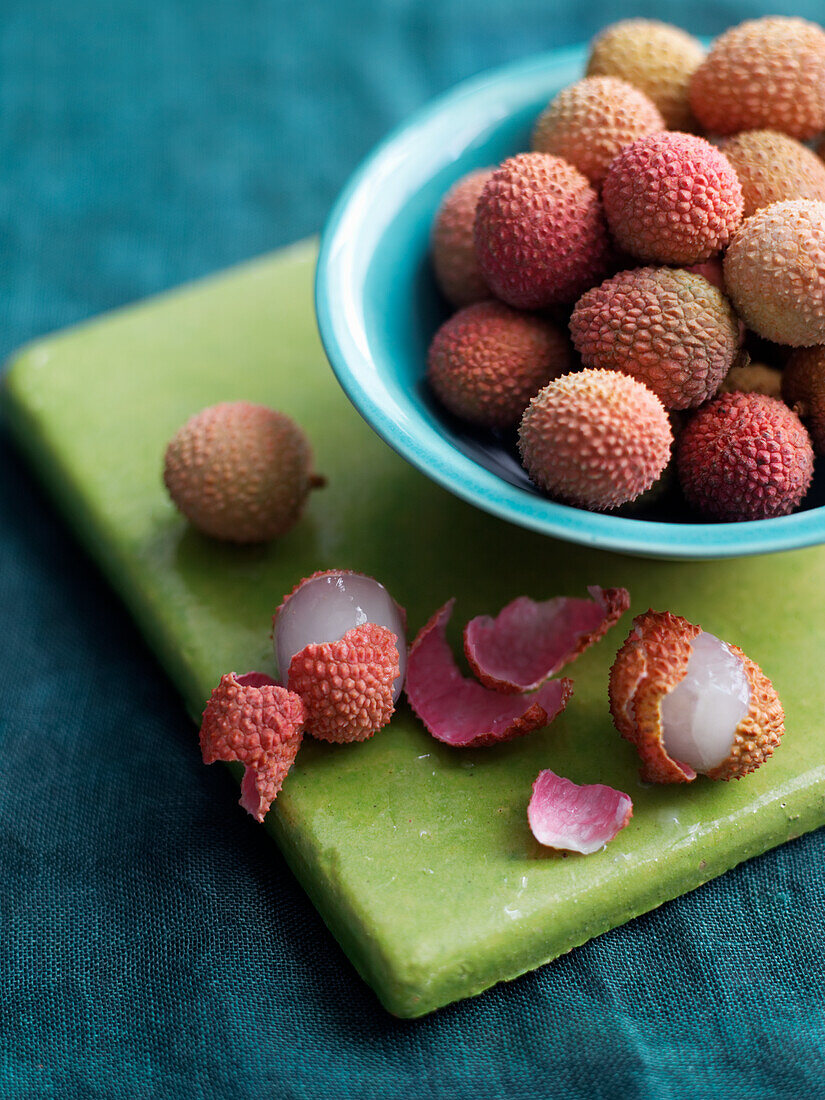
655	57
803	388
775	272
595	438
763	74
540	235
672	198
589	122
691	703
239	472
773	167
749	377
488	360
744	456
451	244
668	328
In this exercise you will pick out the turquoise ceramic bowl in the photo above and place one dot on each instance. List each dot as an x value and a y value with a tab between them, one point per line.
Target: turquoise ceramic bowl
378	308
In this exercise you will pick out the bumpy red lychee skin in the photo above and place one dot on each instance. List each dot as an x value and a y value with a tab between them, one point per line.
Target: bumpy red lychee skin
763	74
589	122
540	235
803	388
488	360
672	198
744	456
655	57
347	685
595	439
239	472
773	167
452	246
670	329
250	719
775	272
650	664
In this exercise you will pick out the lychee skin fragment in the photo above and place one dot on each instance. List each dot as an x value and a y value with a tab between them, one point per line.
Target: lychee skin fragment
595	438
347	686
655	57
239	472
670	329
250	719
773	167
775	272
803	388
650	664
452	246
672	198
488	360
540	235
744	456
763	74
590	121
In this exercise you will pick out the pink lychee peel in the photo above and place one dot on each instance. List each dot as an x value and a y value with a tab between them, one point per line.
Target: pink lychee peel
574	818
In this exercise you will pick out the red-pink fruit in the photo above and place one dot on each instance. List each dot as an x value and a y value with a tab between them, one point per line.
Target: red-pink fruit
451	245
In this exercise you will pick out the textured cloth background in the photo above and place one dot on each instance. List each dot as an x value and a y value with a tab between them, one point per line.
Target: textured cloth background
152	942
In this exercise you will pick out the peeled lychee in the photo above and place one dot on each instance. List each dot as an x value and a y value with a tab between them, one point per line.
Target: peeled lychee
773	167
655	57
691	703
488	360
803	388
672	198
539	232
239	472
589	122
763	74
595	439
775	272
451	245
744	456
666	327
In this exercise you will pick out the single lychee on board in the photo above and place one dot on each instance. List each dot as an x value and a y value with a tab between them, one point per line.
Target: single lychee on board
595	439
672	198
803	388
488	360
744	456
763	74
590	121
668	328
240	472
452	247
773	167
540	234
657	58
692	703
775	272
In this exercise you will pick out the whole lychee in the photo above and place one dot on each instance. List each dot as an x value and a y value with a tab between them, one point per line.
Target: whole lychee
775	272
744	456
239	472
672	198
773	167
749	377
595	438
668	328
540	234
589	122
488	360
763	74
655	57
451	244
803	388
692	703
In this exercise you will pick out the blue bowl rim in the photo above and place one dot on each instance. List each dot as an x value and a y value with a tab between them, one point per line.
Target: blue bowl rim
440	460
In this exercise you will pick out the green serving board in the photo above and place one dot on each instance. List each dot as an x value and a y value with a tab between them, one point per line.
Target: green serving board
417	856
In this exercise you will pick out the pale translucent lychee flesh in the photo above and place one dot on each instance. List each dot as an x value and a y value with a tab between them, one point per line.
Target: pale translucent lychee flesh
700	715
325	608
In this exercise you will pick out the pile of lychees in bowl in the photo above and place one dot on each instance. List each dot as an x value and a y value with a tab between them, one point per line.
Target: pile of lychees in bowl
641	295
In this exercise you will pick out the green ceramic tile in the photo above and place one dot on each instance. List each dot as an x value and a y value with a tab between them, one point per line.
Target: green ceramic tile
418	857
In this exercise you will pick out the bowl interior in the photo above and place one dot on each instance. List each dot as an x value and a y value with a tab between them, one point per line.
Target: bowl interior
378	308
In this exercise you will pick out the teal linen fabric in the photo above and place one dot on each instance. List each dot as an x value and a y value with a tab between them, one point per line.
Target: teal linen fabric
150	944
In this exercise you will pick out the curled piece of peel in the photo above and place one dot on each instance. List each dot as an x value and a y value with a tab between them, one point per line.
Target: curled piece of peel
530	641
576	818
461	712
250	719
